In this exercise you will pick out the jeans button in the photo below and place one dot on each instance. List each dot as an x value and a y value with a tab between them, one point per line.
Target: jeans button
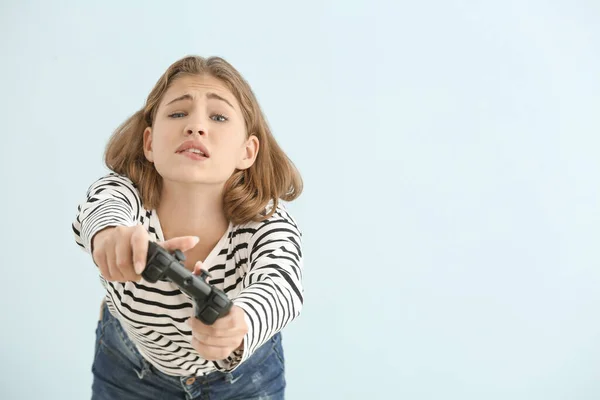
189	381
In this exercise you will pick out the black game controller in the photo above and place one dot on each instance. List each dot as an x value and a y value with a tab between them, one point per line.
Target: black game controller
211	303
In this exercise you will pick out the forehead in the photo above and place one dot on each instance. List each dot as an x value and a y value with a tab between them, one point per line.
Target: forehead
198	86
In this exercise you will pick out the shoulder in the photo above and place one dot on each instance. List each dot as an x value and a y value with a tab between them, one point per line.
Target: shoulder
280	219
113	186
109	180
281	226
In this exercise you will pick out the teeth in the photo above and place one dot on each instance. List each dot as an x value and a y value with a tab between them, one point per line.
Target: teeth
195	151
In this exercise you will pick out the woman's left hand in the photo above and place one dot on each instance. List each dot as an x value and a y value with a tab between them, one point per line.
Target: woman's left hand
223	337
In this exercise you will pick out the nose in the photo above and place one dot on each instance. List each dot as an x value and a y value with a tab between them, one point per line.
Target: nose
194	128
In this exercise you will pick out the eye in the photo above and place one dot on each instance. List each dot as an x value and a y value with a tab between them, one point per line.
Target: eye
219	118
177	115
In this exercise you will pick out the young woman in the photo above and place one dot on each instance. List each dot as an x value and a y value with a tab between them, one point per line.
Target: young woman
196	169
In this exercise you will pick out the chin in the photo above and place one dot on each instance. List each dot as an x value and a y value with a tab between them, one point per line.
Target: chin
186	174
182	175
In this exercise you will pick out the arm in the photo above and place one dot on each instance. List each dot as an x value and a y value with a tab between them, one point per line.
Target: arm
111	200
273	295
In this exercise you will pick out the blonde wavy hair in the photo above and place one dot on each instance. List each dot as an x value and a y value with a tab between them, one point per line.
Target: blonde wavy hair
272	177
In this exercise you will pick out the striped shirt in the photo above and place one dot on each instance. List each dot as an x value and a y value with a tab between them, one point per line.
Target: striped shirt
257	264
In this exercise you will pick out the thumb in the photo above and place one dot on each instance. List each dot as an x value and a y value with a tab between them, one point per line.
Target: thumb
183	243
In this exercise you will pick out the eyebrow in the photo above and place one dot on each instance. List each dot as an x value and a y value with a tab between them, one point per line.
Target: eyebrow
209	95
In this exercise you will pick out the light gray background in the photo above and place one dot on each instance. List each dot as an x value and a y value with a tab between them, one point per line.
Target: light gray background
450	153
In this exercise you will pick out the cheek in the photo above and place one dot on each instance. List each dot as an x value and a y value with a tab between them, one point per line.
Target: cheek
162	141
232	149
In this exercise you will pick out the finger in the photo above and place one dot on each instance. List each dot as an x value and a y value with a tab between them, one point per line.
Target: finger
233	321
210	353
183	243
113	273
222	342
225	329
111	262
224	323
123	259
103	266
198	268
139	246
198	327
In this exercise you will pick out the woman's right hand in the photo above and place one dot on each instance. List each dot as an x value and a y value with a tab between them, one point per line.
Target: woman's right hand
120	251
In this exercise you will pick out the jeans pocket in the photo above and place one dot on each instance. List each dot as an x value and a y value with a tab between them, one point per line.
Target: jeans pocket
115	343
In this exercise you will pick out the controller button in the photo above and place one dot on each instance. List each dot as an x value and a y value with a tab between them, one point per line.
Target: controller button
219	301
205	274
162	260
209	314
154	271
179	255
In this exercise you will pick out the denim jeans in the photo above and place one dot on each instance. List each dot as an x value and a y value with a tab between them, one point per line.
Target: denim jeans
121	373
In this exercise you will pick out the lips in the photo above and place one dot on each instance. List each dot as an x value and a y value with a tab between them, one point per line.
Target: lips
193	147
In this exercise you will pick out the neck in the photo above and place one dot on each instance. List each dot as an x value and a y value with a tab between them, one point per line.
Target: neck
191	209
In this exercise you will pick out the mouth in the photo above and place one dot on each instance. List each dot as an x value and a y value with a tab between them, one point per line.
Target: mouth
193	151
191	148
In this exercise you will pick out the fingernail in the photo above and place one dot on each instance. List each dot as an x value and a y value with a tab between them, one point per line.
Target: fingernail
139	267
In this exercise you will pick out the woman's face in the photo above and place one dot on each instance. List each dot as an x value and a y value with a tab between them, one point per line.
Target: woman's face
199	134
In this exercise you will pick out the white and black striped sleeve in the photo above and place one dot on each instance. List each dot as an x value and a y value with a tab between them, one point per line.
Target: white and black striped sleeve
111	200
273	294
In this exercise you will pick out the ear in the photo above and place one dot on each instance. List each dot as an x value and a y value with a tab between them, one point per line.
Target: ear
249	153
148	144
